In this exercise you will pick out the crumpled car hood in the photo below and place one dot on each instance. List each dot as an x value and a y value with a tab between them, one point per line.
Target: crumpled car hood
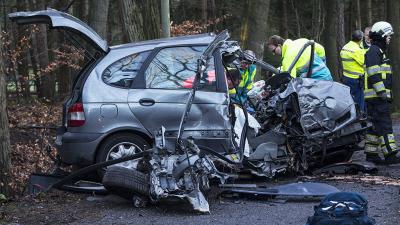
325	106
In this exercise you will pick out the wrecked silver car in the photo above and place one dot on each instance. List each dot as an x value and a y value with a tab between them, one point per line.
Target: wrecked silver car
312	125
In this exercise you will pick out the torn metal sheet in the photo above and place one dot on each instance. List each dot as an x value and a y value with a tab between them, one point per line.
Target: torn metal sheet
198	201
41	182
348	168
308	189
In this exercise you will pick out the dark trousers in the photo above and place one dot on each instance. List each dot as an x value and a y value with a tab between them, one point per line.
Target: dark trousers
379	114
356	90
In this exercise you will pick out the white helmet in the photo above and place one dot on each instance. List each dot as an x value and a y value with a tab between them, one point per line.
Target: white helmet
382	28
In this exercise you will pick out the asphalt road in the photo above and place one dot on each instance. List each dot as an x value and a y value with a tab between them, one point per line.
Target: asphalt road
382	192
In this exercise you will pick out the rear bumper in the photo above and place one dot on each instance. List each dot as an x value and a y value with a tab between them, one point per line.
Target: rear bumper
77	148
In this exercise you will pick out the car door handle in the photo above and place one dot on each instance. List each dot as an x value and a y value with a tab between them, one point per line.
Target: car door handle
147	101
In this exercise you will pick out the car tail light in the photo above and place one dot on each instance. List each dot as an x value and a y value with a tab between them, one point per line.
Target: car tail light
76	115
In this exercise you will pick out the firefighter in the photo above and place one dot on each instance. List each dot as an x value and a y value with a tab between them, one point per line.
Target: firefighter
288	49
352	57
378	95
247	71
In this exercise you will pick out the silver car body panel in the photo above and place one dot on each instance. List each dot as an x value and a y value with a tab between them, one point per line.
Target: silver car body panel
61	20
325	106
208	118
209	110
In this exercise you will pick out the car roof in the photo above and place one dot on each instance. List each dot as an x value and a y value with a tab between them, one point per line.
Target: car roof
205	39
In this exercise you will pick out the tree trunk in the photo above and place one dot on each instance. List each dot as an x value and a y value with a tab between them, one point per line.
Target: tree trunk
132	20
340	41
330	36
393	15
5	149
47	86
204	9
316	21
35	61
358	14
366	14
165	18
296	13
80	10
254	26
213	15
151	19
381	4
98	15
284	30
141	19
22	60
13	35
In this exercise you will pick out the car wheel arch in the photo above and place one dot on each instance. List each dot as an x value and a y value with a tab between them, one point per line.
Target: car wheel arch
142	134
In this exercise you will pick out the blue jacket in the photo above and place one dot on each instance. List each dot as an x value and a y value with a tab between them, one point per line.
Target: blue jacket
319	70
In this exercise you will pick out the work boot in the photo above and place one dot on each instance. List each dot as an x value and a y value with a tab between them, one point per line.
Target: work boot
374	158
393	158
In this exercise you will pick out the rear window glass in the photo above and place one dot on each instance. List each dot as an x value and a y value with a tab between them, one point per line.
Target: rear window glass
175	68
122	72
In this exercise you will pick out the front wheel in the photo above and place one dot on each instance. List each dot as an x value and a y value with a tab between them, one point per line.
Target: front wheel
118	146
126	182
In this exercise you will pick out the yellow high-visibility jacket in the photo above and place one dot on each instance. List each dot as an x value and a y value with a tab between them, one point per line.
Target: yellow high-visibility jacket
291	48
352	57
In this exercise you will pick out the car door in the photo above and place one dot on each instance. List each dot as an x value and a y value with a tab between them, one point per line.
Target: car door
167	80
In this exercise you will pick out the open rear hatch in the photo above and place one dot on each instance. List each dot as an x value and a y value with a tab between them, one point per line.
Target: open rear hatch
60	20
75	32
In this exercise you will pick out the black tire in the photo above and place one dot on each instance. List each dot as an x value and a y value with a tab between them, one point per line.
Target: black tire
114	140
126	182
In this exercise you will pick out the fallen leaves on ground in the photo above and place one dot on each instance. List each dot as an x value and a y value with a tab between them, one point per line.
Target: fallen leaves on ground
28	144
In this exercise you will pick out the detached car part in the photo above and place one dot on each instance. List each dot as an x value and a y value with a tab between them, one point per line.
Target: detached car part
308	189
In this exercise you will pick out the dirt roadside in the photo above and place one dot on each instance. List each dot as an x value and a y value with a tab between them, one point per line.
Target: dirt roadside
382	192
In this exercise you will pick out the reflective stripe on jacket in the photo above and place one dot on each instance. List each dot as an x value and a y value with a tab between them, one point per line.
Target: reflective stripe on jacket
352	57
291	48
378	79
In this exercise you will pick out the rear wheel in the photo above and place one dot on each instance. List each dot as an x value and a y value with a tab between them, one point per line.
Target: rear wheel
120	145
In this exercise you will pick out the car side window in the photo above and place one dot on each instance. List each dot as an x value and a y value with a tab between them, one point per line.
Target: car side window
122	72
175	68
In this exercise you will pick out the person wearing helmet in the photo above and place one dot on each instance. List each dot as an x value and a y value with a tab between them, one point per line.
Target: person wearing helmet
352	57
288	50
378	95
247	71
